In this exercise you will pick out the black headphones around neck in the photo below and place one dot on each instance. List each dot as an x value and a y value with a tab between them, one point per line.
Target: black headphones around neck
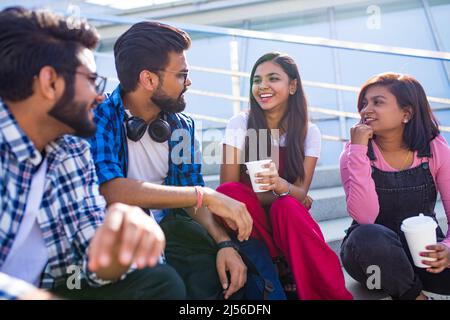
159	129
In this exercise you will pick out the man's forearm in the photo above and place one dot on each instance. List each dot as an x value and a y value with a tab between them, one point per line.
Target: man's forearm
147	195
207	220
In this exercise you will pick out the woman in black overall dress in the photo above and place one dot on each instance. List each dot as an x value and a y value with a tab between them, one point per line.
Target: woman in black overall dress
392	169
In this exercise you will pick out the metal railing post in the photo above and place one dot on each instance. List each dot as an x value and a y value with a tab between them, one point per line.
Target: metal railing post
235	85
436	37
337	74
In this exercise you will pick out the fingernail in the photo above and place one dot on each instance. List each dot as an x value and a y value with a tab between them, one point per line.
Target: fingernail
104	260
125	257
224	286
141	262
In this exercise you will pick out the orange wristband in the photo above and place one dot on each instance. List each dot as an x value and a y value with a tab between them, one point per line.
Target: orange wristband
199	192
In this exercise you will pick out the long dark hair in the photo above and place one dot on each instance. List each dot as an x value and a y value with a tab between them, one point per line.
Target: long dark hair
294	122
423	126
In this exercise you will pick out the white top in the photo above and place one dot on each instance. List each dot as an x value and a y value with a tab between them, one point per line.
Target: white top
237	129
15	287
28	255
148	161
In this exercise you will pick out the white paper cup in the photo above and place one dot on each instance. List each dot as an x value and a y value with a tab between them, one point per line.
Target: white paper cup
420	231
255	167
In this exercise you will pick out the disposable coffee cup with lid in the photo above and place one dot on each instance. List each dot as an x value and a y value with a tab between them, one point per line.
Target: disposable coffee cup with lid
420	232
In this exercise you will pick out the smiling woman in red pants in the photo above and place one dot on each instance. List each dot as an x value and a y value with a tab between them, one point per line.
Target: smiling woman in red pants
280	214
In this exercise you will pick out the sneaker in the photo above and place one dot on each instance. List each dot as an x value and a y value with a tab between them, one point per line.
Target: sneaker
435	296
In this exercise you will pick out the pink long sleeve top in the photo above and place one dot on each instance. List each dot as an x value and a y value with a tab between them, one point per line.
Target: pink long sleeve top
361	197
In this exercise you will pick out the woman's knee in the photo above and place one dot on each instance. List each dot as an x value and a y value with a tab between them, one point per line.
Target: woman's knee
229	188
240	192
288	207
369	242
372	235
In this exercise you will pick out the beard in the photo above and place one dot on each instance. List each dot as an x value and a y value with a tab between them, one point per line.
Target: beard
74	114
168	104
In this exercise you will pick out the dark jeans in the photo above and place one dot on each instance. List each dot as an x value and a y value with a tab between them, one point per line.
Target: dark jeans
159	283
192	253
374	244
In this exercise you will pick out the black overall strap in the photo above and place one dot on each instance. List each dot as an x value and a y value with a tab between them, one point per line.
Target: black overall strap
370	152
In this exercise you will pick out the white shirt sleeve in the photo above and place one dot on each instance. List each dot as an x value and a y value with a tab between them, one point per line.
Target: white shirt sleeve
236	131
313	141
13	288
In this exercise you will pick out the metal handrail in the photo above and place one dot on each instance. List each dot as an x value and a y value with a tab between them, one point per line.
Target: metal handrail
313	41
316	84
326	111
280	37
323	85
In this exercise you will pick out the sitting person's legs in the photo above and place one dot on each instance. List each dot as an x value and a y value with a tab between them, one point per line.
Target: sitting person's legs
376	245
315	267
160	282
435	282
192	252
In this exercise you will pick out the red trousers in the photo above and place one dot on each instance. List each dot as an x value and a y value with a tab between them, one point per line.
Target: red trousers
288	229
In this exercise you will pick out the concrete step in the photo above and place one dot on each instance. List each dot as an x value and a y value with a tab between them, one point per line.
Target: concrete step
329	203
326	177
212	181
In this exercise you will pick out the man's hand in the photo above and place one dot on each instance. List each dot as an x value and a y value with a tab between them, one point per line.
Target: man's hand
38	294
228	259
233	212
127	236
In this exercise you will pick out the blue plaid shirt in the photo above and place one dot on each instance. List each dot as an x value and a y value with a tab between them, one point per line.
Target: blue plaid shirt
110	151
71	208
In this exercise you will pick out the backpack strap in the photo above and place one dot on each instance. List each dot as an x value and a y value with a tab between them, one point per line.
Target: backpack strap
268	285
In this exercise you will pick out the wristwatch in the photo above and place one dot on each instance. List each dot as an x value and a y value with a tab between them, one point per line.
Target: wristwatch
227	244
284	193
